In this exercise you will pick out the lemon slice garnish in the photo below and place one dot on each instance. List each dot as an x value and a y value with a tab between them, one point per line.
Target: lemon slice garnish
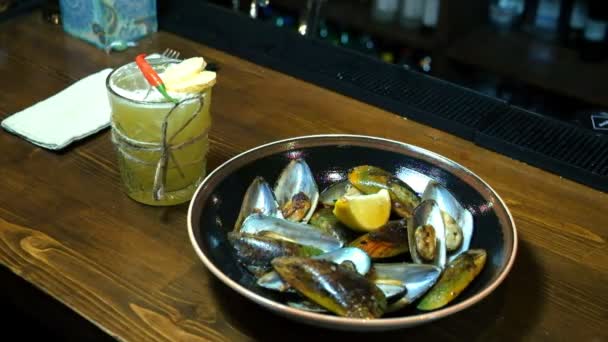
188	76
194	84
183	70
364	212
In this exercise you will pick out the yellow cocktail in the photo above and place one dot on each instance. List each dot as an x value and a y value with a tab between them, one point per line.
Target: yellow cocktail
161	146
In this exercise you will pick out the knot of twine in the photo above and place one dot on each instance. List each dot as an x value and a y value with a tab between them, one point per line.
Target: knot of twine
124	144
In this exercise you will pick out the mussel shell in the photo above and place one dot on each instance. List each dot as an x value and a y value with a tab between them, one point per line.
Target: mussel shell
371	179
449	205
334	192
457	275
258	199
256	252
359	258
297	179
299	233
417	279
306	305
337	289
273	281
388	241
391	290
428	213
325	220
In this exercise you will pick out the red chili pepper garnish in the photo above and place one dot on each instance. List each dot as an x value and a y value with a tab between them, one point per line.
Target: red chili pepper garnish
152	76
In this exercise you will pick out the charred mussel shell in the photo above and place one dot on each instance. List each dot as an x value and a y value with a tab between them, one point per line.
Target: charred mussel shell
256	252
361	261
388	241
335	288
457	275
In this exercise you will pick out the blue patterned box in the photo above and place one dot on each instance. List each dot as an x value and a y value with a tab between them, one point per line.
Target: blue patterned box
102	22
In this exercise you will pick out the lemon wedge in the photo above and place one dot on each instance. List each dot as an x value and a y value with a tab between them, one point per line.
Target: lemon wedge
364	212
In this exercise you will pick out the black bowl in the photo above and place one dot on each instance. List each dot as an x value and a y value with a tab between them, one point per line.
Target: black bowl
216	203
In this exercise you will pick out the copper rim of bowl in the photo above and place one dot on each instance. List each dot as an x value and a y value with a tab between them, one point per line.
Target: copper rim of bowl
358	140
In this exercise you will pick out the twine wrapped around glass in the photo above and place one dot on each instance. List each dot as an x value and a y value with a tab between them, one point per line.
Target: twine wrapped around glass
161	146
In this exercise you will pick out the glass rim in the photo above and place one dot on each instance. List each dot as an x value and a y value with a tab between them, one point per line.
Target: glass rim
153	62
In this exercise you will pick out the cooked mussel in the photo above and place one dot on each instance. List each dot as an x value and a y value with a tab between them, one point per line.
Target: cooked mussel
457	220
292	246
358	258
426	235
370	179
388	241
393	292
306	305
258	199
457	275
334	192
334	287
325	220
426	242
256	252
296	191
417	279
299	233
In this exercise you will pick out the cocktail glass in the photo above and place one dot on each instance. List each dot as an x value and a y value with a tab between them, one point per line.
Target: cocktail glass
161	146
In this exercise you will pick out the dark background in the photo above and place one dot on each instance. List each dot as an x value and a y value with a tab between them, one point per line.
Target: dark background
554	72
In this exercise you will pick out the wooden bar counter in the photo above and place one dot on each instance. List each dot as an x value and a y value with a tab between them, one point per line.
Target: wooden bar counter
129	269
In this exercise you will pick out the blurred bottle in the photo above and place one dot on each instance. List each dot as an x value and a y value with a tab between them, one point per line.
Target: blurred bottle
405	58
51	12
346	39
328	32
310	17
547	19
5	5
576	24
594	44
430	16
366	44
505	14
323	33
411	13
425	64
265	13
387	56
385	11
286	21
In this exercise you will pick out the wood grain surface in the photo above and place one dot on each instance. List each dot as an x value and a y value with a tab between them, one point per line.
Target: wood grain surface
67	228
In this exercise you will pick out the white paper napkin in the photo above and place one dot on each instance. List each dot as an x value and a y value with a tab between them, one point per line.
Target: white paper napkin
72	114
